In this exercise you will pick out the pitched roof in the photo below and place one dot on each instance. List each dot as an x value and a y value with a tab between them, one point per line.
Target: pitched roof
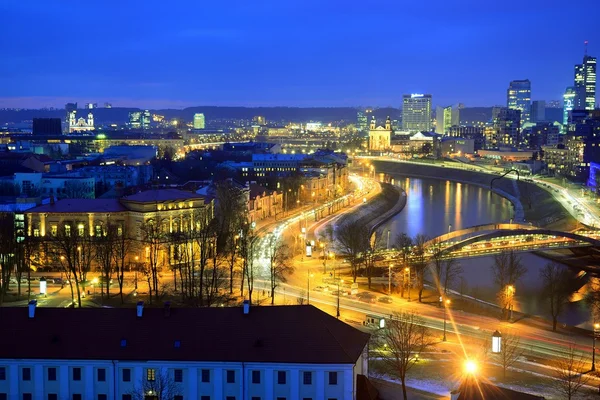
149	196
80	206
288	334
472	390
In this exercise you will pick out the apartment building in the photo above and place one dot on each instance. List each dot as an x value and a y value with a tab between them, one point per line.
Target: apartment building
280	352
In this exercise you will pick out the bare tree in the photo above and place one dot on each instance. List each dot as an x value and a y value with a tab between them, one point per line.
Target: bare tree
249	249
404	244
279	263
570	373
507	270
7	251
555	289
104	248
452	270
123	246
420	263
404	338
353	238
510	351
159	383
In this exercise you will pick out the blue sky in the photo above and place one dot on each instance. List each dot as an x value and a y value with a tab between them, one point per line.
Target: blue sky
285	52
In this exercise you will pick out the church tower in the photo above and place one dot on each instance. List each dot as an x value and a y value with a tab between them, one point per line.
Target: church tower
388	124
372	127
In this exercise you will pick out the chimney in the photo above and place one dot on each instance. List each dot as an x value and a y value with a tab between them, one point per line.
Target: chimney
140	309
167	308
246	307
32	305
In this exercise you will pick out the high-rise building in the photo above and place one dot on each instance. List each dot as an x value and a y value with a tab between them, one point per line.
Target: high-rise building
361	121
416	112
135	119
585	83
47	126
507	127
146	118
554	104
445	118
259	120
569	99
538	111
518	97
199	122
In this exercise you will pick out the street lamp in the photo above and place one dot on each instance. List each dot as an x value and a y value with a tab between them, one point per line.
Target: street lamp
338	297
446	305
407	270
496	342
308	276
471	367
135	272
594	334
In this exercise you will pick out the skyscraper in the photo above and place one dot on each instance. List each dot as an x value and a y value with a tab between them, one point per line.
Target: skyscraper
518	97
199	121
361	121
585	83
507	127
416	112
538	111
446	117
568	103
135	119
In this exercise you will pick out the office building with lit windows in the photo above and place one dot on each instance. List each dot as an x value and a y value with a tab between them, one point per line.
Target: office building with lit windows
585	84
518	97
210	353
199	122
446	118
416	112
569	99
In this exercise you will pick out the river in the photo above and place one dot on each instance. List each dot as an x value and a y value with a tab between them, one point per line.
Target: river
436	206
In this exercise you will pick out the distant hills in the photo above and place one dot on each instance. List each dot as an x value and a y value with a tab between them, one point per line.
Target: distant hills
276	114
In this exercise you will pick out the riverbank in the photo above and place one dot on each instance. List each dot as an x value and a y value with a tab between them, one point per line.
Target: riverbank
531	203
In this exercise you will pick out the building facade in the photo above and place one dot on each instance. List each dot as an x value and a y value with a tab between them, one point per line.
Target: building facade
380	137
416	112
538	111
507	127
585	83
569	99
199	122
518	97
263	353
445	119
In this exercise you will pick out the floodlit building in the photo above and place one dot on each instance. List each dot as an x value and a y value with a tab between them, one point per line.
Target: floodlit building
199	122
380	137
279	352
416	112
446	118
585	83
569	99
518	97
507	127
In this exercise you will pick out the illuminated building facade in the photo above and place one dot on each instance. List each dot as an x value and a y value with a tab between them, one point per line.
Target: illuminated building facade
199	122
416	112
585	84
518	97
81	124
569	99
380	137
446	117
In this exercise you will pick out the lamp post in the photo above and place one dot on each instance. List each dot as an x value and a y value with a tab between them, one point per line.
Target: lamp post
446	305
135	272
308	276
407	270
338	297
496	342
510	289
596	328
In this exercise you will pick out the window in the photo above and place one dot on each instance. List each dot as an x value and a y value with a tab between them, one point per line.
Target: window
80	229
54	230
204	397
2	373
230	376
333	378
281	377
178	397
102	397
27	396
178	375
230	398
307	398
99	230
281	398
150	374
256	377
52	396
26	374
255	397
101	375
36	232
51	374
126	375
3	396
77	396
126	397
77	374
307	378
205	376
67	230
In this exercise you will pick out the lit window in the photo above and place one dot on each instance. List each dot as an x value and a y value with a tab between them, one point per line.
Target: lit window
150	374
67	230
36	232
80	229
54	230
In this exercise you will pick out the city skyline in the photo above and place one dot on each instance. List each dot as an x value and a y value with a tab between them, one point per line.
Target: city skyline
292	54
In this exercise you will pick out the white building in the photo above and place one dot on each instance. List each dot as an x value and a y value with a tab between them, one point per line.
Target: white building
199	122
281	352
81	124
416	112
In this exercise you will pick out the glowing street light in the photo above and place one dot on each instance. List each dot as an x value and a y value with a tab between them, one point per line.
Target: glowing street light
496	342
471	367
407	270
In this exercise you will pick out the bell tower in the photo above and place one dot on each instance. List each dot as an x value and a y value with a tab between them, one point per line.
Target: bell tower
372	123
388	124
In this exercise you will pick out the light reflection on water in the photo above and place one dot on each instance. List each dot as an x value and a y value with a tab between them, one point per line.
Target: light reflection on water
435	206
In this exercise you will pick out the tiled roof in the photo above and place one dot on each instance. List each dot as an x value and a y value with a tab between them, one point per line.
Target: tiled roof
80	206
149	196
287	334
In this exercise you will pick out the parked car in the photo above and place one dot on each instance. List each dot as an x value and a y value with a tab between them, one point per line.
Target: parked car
386	299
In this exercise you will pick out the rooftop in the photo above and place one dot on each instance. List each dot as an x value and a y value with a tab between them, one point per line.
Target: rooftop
471	390
149	196
80	206
288	334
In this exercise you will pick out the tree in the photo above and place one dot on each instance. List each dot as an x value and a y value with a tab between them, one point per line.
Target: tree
78	190
510	351
162	386
404	244
507	270
570	373
249	244
420	262
452	270
153	240
123	245
403	338
7	251
353	238
104	243
279	262
555	289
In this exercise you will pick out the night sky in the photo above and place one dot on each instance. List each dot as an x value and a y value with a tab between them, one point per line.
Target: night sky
180	53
